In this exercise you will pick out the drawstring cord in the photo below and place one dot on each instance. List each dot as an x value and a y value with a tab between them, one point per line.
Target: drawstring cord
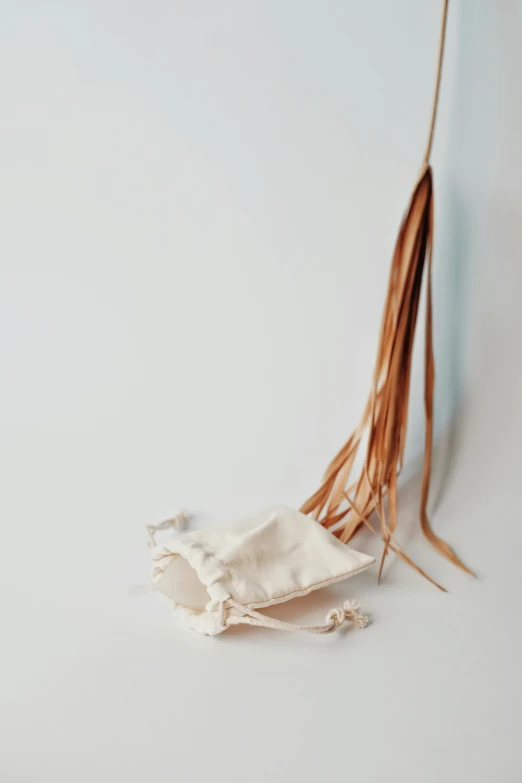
334	619
179	520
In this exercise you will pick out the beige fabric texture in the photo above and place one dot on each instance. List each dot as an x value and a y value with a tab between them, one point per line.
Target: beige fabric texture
265	559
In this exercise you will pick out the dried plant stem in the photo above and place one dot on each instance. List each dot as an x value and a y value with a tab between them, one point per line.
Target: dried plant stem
435	105
385	416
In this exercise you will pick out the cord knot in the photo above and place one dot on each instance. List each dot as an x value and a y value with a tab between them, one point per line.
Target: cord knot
350	612
179	520
335	617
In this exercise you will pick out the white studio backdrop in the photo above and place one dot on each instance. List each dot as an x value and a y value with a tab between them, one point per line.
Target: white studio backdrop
199	203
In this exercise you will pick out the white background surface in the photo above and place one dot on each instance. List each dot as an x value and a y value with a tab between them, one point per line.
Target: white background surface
198	207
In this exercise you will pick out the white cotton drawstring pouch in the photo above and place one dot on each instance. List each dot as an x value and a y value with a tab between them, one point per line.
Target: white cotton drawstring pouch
221	576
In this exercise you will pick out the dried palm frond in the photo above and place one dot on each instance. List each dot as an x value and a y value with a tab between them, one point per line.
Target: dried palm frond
384	421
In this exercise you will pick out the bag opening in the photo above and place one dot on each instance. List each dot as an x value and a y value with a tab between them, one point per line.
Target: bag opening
181	583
